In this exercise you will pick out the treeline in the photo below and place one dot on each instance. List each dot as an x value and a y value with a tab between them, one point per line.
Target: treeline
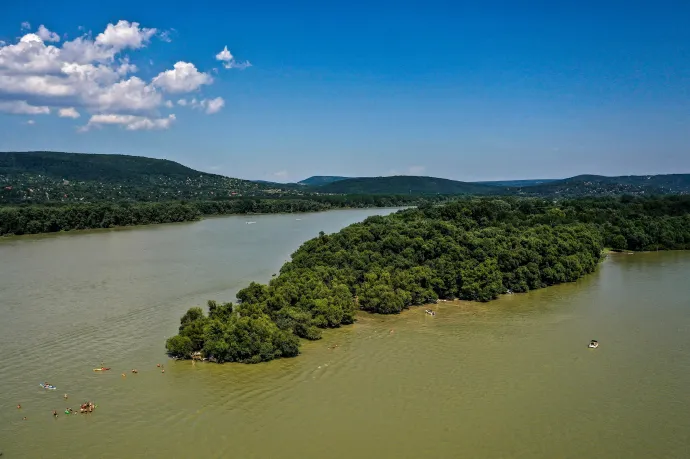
473	249
35	219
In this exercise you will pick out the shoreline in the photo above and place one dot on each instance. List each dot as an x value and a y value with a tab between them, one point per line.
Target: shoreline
203	217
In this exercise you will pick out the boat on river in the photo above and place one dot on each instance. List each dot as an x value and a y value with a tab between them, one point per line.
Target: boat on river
48	386
593	344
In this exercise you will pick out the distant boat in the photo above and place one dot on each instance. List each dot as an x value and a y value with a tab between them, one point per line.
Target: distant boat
298	219
249	223
593	344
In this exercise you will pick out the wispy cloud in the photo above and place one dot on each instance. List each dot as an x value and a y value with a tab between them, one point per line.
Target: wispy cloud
229	61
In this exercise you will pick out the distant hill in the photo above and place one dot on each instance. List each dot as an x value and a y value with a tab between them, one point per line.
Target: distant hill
40	176
599	185
318	180
403	184
517	183
86	166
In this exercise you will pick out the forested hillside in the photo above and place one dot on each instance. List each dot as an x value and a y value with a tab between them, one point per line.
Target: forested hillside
318	180
52	177
598	185
37	177
403	184
472	249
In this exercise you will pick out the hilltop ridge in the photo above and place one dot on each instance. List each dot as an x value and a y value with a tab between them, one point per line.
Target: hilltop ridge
55	177
46	176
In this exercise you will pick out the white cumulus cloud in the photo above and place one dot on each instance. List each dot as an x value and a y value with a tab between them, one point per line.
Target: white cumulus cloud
210	106
21	107
46	35
123	35
214	105
229	62
224	55
41	74
184	77
69	112
129	122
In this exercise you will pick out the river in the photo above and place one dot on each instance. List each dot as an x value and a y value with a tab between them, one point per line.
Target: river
511	378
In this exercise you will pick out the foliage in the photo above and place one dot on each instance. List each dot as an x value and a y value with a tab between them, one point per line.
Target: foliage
247	335
401	184
317	180
67	178
579	186
49	219
598	185
37	177
472	249
34	219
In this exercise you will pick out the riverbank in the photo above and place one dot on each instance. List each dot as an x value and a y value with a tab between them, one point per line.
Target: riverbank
21	220
475	250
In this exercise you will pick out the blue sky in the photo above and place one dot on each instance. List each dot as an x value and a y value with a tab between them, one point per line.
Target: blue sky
468	91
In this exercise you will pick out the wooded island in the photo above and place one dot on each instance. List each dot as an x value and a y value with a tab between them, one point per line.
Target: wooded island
471	249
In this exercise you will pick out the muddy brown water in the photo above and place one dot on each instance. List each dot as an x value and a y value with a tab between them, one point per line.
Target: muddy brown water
511	378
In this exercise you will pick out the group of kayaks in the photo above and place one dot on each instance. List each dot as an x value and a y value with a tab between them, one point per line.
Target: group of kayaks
51	387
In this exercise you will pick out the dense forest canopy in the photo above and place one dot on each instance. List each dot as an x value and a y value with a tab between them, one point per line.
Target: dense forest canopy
35	219
317	180
52	177
37	177
472	249
404	184
598	185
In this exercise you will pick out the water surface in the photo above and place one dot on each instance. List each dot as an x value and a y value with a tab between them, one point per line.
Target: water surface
512	378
